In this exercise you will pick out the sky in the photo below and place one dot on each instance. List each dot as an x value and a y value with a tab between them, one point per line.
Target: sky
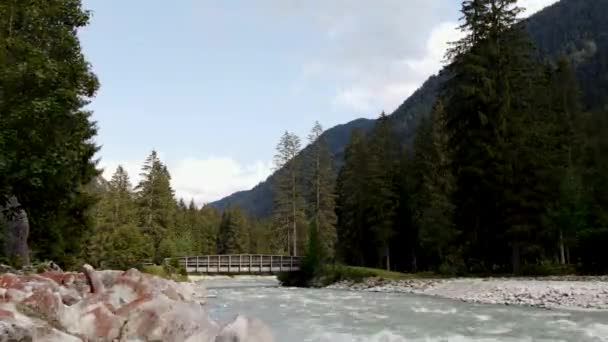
212	84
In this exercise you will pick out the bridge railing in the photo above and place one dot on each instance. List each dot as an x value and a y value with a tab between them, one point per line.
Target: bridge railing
240	263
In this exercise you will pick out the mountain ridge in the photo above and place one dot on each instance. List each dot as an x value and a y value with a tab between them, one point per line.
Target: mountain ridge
575	28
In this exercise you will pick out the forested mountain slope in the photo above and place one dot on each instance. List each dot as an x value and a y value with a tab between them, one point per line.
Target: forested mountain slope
258	201
576	28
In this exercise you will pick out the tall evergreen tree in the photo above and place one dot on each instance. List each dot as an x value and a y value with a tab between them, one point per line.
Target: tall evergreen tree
322	195
233	236
484	121
434	185
116	241
383	198
568	211
46	84
289	206
207	229
156	203
352	204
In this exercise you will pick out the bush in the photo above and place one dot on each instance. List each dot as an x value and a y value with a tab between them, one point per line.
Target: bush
590	249
336	273
163	272
310	266
546	270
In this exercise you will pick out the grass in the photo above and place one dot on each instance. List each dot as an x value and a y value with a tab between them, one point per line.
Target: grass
334	273
380	273
162	272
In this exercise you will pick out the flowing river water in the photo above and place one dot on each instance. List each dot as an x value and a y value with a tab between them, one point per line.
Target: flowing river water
315	315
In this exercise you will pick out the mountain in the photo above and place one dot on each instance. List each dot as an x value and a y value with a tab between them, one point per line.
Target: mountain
258	201
575	28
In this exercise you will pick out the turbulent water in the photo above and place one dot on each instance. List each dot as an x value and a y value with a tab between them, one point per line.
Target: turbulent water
297	315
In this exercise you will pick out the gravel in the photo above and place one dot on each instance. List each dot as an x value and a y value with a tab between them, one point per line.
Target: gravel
580	293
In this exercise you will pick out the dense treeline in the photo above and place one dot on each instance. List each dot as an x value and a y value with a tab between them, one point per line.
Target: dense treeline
508	171
53	202
148	222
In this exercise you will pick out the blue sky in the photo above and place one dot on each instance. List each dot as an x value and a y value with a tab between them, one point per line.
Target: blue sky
212	85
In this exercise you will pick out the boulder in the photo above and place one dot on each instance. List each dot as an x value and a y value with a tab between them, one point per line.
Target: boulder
112	306
245	329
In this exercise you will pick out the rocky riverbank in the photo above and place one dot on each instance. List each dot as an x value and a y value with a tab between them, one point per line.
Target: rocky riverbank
587	293
55	306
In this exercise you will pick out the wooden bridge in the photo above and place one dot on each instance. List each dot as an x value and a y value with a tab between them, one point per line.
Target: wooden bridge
240	263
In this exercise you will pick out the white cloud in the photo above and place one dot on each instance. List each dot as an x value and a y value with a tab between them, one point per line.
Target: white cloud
402	76
204	180
376	53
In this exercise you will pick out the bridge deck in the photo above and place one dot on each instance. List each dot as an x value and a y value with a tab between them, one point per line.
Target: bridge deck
240	263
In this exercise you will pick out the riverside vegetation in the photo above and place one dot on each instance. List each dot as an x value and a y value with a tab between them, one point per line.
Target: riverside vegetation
507	174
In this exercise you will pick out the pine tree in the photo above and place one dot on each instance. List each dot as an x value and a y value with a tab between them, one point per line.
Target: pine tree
120	197
46	84
382	177
206	230
288	212
485	116
434	185
116	241
568	212
260	236
156	204
233	236
352	204
322	197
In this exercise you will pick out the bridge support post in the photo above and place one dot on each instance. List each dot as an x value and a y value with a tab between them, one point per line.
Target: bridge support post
207	264
250	264
196	267
271	264
281	265
291	263
240	262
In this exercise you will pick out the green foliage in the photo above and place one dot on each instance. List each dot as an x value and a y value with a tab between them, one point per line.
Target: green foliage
289	204
312	261
165	272
507	173
233	236
591	244
321	197
46	84
129	247
155	202
547	270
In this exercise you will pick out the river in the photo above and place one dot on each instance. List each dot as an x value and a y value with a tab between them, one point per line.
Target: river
320	315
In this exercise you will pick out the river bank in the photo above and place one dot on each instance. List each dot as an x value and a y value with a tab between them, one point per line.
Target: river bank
297	314
110	305
573	293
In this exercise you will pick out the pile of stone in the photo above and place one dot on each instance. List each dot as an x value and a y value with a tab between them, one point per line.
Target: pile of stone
387	285
589	293
112	306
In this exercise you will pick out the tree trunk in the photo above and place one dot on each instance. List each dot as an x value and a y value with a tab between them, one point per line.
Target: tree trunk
388	258
562	254
293	207
288	241
515	258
